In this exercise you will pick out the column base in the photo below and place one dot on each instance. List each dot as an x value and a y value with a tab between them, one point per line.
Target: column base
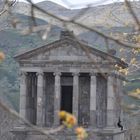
93	119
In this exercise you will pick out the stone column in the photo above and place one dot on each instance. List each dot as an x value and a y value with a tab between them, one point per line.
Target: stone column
75	104
23	95
119	99
40	97
93	99
110	102
57	95
34	98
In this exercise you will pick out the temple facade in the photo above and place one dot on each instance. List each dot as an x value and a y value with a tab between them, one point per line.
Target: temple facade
70	75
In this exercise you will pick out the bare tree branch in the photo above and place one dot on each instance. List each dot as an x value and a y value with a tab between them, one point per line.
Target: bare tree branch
131	11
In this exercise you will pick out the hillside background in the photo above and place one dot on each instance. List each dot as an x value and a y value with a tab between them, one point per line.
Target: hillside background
12	42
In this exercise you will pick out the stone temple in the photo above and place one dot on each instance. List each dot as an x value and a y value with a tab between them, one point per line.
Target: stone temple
70	75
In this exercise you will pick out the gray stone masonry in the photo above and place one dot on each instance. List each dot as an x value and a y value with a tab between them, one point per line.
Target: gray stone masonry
57	91
23	95
40	96
75	94
94	99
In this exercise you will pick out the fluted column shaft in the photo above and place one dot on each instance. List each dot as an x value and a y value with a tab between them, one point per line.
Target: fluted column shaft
40	97
23	95
110	102
57	95
75	94
92	99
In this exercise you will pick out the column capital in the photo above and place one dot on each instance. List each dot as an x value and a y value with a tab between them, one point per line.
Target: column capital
93	74
75	74
39	74
23	77
57	73
110	74
110	77
23	73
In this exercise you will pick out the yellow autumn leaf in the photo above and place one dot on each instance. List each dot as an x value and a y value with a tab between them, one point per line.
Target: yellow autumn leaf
133	61
2	56
135	93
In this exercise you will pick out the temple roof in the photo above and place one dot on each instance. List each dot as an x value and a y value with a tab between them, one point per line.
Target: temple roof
69	38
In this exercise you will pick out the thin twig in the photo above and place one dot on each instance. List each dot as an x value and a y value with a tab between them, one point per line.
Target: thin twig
131	11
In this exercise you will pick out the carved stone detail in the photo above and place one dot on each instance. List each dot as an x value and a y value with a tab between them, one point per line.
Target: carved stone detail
75	74
93	74
57	73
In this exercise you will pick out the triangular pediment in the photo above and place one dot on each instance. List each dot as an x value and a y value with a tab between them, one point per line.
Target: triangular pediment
68	50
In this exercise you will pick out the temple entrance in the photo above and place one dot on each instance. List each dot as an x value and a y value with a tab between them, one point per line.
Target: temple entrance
66	98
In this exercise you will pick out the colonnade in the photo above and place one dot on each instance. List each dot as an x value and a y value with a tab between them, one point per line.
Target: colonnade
57	97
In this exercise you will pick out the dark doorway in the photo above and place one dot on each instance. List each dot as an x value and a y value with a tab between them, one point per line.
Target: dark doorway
66	98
